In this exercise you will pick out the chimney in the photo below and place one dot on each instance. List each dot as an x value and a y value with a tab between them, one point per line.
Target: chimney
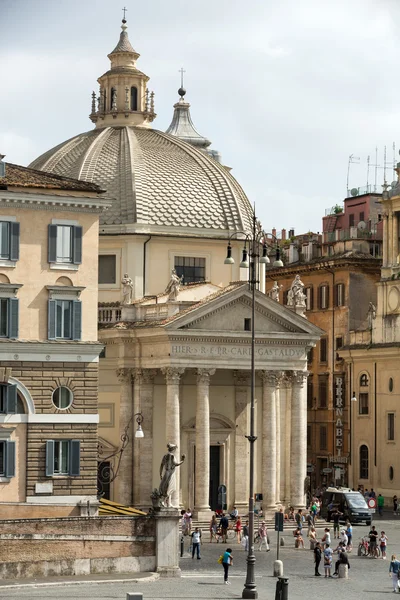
274	231
283	234
291	233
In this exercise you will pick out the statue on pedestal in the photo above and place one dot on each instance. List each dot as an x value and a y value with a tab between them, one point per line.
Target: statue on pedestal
274	291
296	295
127	289
167	475
174	285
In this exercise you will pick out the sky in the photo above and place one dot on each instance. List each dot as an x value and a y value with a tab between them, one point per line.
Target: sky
286	90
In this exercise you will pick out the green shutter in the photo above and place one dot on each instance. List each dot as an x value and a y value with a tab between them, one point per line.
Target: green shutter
76	320
51	334
49	458
75	458
52	249
77	245
11	399
9	470
14	241
13	317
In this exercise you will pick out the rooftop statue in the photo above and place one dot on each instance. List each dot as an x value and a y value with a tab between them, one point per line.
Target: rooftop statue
174	286
127	289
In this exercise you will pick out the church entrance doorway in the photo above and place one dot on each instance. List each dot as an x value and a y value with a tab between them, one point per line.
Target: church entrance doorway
214	475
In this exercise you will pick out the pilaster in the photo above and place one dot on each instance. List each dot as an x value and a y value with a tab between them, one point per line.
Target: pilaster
202	484
270	383
298	449
242	383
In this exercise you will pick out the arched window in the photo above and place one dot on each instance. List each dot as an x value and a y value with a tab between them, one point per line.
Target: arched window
364	380
363	462
113	94
133	98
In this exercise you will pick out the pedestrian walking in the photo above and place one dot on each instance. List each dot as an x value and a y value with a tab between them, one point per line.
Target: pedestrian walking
373	540
349	533
238	529
328	560
394	569
263	533
245	536
223	525
227	561
383	544
299	518
395	504
381	504
196	541
335	516
317	558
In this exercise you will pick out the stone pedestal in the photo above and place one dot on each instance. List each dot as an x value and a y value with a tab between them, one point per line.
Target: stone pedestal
167	542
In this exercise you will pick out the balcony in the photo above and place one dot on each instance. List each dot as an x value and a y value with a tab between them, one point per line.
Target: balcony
109	312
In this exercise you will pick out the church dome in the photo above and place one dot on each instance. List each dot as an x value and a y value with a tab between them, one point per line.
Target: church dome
153	178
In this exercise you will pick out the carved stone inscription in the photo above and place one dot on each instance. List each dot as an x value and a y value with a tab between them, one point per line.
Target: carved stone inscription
236	351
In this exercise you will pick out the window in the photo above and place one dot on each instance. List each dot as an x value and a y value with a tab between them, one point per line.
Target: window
247	324
323	442
113	97
323	300
190	268
63	458
9	316
339	294
7	458
62	397
391	473
363	462
390	426
65	319
339	344
9	240
107	268
323	350
8	399
351	220
309	298
362	216
363	407
390	384
133	98
363	380
323	391
310	393
65	244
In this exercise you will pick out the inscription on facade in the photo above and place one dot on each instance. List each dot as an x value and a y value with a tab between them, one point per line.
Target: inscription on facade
236	351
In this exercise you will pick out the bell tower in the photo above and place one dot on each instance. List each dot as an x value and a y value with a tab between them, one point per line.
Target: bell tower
124	98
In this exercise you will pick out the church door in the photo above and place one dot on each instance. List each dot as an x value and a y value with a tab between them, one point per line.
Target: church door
214	476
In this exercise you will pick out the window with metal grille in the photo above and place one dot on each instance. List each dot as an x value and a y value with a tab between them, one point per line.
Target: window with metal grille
363	404
323	350
323	437
363	380
390	426
364	466
192	269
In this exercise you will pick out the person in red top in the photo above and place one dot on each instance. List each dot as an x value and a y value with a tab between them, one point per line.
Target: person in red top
238	529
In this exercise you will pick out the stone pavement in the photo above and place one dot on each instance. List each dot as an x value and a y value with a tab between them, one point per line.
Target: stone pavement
203	579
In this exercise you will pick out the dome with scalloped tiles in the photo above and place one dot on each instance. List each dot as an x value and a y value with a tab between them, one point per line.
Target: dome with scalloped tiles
152	178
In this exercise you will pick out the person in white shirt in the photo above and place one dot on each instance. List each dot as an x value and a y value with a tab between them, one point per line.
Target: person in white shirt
196	541
343	537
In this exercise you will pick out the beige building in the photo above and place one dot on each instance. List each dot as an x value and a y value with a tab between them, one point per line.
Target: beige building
372	358
182	358
48	348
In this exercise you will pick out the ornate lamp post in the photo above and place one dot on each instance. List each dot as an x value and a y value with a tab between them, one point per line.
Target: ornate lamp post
254	240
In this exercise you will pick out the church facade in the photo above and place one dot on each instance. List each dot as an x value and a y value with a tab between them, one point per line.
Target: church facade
181	362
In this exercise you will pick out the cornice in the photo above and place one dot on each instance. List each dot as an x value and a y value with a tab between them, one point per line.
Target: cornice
372	264
37	201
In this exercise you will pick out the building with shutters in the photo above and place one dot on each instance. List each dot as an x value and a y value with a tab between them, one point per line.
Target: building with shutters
48	342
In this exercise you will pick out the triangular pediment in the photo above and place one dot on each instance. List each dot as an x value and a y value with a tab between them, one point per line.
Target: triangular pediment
228	311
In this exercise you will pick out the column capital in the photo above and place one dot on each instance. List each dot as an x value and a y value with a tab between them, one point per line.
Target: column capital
172	374
297	378
144	375
203	375
271	378
241	378
124	375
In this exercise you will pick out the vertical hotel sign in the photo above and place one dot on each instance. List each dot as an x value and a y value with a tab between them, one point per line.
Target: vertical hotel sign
339	402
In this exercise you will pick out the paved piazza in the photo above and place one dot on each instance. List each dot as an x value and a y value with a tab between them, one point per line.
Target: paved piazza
203	578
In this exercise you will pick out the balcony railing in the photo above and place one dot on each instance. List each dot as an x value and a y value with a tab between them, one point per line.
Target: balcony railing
109	313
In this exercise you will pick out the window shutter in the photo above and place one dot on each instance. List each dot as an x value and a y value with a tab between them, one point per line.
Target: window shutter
11	399
14	241
311	302
49	458
51	334
327	297
13	317
75	458
76	320
10	459
77	245
320	297
52	243
336	295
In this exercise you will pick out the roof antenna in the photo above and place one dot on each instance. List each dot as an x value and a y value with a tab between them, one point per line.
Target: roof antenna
124	11
182	90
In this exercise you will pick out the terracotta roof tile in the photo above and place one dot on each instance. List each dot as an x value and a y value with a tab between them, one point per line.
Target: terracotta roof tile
18	176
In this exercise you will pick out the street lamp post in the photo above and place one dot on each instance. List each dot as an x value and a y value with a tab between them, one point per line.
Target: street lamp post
253	242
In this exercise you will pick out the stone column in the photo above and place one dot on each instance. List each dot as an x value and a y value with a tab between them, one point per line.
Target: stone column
286	399
298	438
143	447
202	483
385	239
124	478
172	420
270	382
242	382
278	437
395	236
390	238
